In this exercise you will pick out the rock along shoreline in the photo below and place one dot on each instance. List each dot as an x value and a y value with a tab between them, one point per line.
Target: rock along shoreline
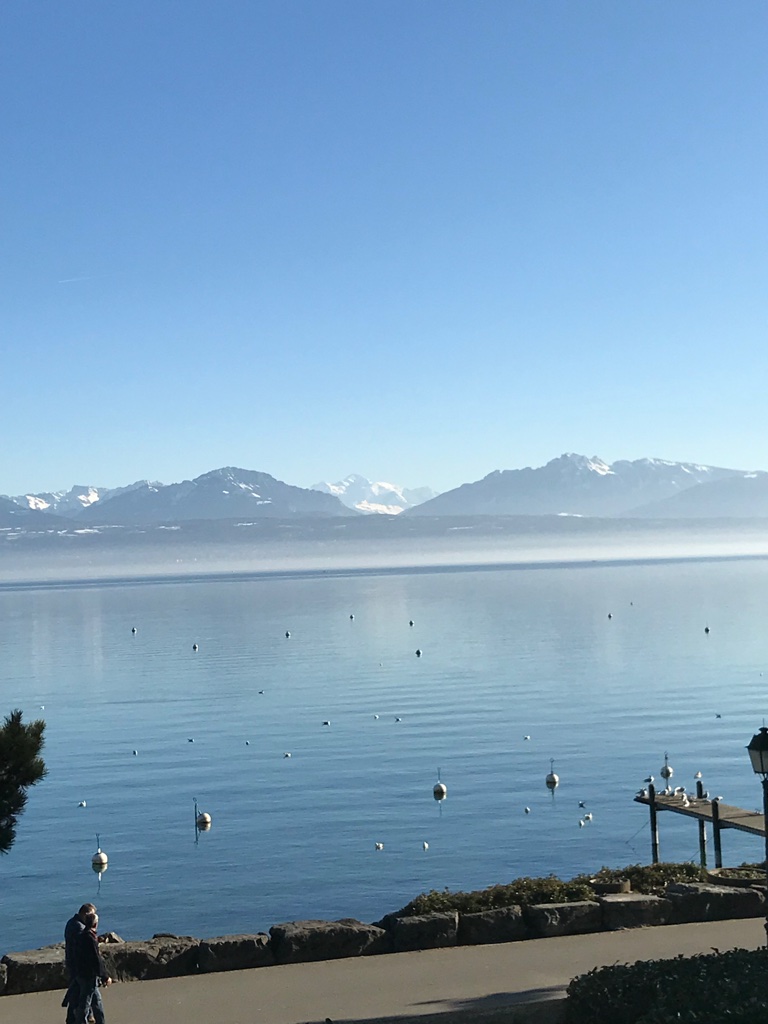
169	956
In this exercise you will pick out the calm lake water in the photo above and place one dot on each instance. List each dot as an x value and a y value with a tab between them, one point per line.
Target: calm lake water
507	653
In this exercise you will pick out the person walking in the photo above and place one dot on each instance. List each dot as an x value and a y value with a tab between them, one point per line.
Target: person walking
73	929
90	970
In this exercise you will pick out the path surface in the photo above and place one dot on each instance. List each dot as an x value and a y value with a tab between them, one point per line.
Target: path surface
465	981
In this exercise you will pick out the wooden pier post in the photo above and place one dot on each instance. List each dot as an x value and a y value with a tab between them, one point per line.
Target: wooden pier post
654	824
702	828
716	833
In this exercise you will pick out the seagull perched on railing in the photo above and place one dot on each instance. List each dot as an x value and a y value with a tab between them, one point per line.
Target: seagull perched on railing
649	780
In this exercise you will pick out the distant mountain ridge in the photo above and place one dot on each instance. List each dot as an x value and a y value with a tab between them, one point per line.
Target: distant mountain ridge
570	485
577	485
358	492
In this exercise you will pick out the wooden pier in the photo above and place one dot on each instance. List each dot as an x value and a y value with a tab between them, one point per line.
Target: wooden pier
704	810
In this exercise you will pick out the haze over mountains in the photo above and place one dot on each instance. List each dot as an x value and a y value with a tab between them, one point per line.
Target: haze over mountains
570	485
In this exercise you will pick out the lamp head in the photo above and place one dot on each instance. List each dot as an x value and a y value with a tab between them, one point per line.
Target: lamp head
758	752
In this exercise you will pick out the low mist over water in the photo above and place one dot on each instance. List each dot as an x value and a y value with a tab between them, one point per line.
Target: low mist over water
267	545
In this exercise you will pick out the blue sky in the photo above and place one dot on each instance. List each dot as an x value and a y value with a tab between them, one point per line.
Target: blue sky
417	240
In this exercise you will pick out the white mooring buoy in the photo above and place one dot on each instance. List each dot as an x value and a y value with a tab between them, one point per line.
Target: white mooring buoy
667	771
99	861
439	790
552	780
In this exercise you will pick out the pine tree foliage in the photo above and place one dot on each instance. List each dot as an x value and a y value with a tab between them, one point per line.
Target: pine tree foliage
20	767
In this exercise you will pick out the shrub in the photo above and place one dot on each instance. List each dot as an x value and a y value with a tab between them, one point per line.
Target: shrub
650	879
705	989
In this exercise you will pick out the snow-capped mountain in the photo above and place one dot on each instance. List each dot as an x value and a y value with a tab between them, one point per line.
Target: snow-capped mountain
574	485
72	502
226	493
358	492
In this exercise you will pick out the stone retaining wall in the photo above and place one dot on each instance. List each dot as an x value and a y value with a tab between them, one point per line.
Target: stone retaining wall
167	956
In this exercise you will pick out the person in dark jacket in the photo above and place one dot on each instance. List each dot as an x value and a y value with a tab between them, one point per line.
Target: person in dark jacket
73	929
90	969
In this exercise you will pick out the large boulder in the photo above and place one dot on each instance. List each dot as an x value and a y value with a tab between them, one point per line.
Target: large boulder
549	919
506	924
304	941
424	931
698	901
633	910
35	970
235	953
166	956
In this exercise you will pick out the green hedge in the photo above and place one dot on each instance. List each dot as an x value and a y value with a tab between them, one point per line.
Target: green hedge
529	891
714	988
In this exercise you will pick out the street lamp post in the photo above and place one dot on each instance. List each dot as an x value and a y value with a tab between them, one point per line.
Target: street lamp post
758	755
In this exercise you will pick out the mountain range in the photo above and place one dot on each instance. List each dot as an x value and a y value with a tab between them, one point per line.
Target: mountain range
580	486
570	485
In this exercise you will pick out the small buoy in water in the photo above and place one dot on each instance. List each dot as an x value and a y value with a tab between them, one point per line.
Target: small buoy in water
287	634
351	617
706	629
82	804
99	860
379	846
667	771
418	652
410	622
133	629
609	615
194	647
203	821
425	846
247	743
552	779
440	791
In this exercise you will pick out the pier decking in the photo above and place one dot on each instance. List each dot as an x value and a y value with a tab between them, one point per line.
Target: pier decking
720	815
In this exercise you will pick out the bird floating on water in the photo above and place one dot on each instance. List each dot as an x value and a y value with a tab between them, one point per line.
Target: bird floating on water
351	617
398	719
190	740
327	722
697	775
410	622
287	634
581	823
527	810
82	804
425	846
379	846
287	753
526	737
418	652
195	647
135	753
588	816
375	716
133	629
706	629
582	804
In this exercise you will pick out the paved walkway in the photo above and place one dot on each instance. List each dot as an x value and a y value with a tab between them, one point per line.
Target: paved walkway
465	981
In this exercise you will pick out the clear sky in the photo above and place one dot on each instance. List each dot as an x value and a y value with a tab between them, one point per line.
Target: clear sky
415	239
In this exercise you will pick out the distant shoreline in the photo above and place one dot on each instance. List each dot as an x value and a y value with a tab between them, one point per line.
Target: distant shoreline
259	575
